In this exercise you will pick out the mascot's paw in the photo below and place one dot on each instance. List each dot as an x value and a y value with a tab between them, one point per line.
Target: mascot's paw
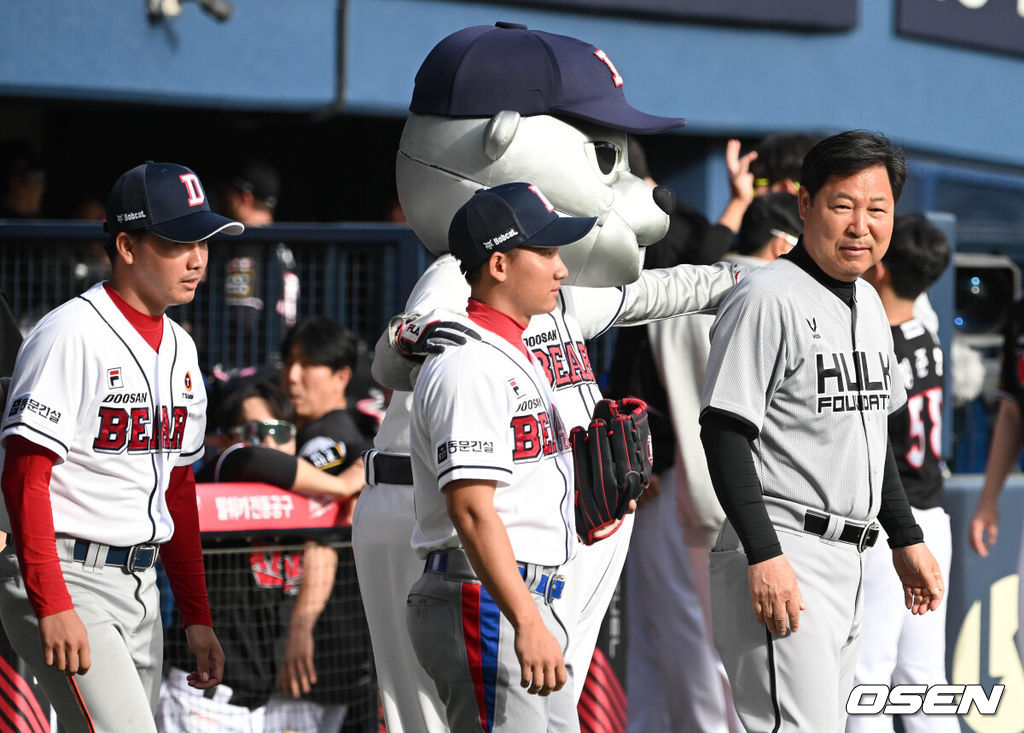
418	336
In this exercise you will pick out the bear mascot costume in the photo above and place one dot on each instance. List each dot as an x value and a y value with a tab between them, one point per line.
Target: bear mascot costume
493	105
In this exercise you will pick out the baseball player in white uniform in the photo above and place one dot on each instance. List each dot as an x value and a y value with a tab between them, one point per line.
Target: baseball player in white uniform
494	482
106	414
801	380
472	126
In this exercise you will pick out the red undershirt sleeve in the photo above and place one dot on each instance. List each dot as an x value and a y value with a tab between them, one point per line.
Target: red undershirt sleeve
26	485
182	555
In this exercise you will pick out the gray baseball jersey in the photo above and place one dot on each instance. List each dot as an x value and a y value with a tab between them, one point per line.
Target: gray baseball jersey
815	378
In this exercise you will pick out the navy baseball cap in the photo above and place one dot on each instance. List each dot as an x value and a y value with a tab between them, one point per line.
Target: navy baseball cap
166	199
482	70
508	216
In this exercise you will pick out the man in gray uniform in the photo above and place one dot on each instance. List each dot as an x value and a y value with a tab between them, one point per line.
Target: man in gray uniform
799	386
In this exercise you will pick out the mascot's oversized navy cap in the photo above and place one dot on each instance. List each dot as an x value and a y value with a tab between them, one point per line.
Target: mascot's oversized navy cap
482	70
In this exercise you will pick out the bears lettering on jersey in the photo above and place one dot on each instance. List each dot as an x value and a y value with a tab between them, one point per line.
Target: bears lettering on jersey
535	436
135	429
853	382
565	364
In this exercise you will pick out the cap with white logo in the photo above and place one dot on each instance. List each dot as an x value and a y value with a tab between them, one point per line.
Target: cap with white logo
508	216
166	199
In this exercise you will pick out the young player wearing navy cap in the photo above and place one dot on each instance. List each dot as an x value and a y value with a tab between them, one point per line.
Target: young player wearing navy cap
106	414
493	481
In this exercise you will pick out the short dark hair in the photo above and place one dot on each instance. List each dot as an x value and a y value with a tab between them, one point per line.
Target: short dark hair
918	254
779	211
780	157
110	246
851	152
323	341
228	412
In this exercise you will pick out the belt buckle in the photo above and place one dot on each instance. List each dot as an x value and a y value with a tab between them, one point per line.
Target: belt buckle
133	555
555	583
868	536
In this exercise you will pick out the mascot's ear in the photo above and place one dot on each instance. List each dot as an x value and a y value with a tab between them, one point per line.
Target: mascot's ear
500	132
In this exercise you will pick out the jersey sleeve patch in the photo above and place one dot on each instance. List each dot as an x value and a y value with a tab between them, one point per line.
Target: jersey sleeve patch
324	453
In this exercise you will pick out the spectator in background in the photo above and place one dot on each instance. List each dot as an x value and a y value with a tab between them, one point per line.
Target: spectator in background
23	180
327	657
897	648
252	594
776	167
91	262
251	194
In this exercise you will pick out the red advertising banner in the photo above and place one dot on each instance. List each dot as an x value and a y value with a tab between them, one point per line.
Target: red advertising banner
248	507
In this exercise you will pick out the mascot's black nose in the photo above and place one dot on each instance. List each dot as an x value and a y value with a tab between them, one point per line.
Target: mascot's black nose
665	198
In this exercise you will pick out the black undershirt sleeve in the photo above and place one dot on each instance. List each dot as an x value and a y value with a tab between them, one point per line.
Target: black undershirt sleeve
895	515
731	464
255	463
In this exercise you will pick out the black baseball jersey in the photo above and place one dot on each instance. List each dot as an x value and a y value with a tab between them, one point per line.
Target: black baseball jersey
332	442
916	433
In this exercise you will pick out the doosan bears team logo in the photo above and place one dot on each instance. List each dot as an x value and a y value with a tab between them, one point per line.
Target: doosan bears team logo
188	381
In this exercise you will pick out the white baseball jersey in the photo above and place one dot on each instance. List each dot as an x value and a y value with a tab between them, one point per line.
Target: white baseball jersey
558	339
118	415
484	412
830	376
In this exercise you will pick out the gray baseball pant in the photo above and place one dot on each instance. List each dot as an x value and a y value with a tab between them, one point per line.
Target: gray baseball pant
468	648
121	613
801	681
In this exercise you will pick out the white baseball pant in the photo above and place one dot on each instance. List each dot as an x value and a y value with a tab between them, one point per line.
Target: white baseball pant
898	647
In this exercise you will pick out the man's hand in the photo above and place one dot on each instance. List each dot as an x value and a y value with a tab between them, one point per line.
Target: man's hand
298	673
65	642
418	336
921	577
209	657
540	657
984	527
775	595
741	180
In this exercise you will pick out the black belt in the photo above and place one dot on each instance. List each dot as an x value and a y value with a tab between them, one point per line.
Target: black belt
856	533
136	557
544	584
391	469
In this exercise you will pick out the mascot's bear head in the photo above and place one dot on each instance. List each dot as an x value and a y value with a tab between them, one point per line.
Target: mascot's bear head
500	104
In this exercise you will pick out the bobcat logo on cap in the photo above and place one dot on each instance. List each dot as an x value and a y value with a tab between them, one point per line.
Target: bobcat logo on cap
196	196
